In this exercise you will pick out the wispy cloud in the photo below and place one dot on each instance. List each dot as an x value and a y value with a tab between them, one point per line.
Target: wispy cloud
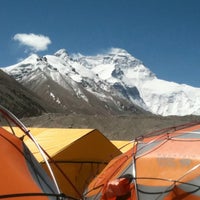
34	42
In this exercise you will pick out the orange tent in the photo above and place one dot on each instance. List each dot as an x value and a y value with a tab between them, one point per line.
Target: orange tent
163	166
22	177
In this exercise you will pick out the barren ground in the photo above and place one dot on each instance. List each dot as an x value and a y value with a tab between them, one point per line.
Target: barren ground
113	127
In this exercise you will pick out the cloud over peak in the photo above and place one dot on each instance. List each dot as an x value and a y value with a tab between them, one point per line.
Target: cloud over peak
34	42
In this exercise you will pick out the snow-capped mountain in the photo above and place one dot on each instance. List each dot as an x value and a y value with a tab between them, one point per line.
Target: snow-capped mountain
114	81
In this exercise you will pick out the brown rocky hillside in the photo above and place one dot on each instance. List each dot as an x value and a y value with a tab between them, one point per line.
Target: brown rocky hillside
114	127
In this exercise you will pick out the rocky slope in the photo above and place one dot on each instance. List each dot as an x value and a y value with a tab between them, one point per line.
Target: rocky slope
18	99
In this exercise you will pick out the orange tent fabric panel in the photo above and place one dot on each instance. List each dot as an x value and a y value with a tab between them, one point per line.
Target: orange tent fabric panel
171	159
15	175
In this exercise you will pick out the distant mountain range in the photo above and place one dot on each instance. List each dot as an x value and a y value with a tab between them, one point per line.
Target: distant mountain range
111	83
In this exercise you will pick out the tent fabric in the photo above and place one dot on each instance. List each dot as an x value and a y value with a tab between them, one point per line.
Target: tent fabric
164	167
76	155
123	145
21	175
117	166
67	143
80	154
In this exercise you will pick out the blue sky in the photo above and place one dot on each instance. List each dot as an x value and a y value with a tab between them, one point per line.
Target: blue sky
164	34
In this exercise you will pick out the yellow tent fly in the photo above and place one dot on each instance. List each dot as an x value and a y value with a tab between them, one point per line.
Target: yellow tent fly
76	156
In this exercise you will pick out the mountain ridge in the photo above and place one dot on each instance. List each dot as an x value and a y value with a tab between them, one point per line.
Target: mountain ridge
116	81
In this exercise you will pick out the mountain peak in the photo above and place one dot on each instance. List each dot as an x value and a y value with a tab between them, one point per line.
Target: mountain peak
31	58
62	53
118	51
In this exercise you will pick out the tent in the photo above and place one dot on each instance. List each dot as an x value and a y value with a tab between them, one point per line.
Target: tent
123	145
164	165
22	177
76	156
